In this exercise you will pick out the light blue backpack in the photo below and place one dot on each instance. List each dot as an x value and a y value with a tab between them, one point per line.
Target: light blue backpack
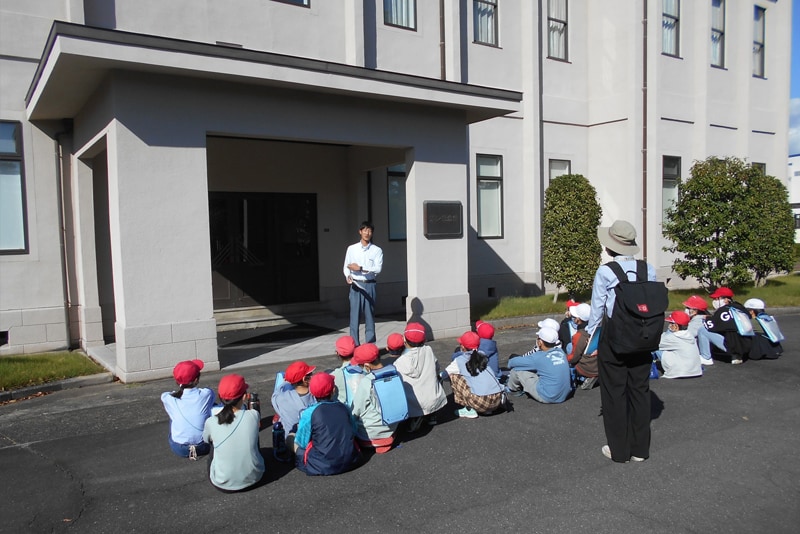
388	387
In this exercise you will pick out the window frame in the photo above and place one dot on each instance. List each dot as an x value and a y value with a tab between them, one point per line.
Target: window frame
719	33
562	22
676	19
676	178
550	162
387	9
759	26
17	157
395	174
491	5
479	178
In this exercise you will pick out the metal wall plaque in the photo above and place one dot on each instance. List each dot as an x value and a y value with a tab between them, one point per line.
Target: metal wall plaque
443	219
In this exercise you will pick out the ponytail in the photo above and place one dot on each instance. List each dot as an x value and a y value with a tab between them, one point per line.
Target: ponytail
178	394
226	415
477	363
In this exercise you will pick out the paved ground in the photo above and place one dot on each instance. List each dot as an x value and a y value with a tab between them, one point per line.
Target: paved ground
724	459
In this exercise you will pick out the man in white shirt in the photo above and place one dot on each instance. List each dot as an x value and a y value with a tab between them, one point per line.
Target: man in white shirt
363	261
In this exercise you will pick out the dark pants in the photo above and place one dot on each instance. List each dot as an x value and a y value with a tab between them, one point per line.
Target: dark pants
625	398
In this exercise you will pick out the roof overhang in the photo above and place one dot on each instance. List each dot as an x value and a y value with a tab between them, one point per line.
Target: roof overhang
76	60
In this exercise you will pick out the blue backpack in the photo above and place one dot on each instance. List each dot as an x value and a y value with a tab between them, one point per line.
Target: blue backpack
388	387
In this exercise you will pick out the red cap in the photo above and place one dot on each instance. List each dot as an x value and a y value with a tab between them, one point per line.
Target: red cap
297	371
679	318
571	303
469	340
696	302
232	387
395	342
366	353
722	292
187	371
485	330
415	333
345	346
321	385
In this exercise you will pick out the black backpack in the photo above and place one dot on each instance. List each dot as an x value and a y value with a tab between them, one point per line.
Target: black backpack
637	320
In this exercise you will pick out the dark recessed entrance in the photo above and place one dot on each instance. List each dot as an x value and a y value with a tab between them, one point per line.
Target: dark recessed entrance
263	248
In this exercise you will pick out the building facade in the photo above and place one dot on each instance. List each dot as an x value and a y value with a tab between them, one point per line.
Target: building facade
176	167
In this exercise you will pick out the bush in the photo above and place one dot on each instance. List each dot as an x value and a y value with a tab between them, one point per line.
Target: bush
570	248
731	224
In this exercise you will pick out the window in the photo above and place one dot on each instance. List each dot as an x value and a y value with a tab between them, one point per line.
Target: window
670	32
490	196
484	13
670	174
759	29
402	13
295	2
718	33
762	167
559	167
797	221
13	224
557	29
396	192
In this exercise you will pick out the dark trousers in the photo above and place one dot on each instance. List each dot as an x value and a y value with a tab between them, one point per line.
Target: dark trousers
625	398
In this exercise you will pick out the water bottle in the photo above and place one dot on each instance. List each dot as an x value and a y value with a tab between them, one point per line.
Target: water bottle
255	404
279	442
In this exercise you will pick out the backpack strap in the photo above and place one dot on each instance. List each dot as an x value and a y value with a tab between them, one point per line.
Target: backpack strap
622	276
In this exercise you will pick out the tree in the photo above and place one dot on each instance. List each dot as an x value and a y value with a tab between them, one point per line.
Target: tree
570	248
730	224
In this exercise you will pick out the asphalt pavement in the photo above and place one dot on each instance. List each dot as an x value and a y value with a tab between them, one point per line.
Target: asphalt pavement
724	458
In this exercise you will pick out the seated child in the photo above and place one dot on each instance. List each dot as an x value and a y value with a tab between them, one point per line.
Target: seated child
543	374
585	364
236	462
475	386
419	370
293	396
325	442
677	350
767	341
343	375
188	408
488	345
567	328
371	431
395	344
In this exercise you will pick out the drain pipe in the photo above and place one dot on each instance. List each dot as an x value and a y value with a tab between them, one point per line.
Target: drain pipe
644	132
540	61
62	239
442	43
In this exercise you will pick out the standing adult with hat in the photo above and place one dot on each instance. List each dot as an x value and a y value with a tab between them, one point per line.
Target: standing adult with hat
363	262
624	379
236	461
188	408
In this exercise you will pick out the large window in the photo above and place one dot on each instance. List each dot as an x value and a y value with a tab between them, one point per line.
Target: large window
759	29
490	196
670	31
484	13
718	33
557	29
13	227
396	193
402	13
670	174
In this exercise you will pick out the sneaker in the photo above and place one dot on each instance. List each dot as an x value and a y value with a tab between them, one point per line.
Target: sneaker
192	452
637	459
737	361
432	420
466	412
514	393
589	383
706	362
606	450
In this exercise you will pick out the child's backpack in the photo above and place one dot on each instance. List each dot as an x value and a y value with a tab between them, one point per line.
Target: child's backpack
637	319
770	326
388	387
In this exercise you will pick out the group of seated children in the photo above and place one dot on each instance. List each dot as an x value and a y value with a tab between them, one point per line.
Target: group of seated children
329	417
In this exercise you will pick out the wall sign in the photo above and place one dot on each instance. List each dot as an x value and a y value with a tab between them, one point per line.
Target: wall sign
442	219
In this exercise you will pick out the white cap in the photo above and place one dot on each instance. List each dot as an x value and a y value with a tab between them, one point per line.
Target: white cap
581	311
548	335
755	304
549	323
